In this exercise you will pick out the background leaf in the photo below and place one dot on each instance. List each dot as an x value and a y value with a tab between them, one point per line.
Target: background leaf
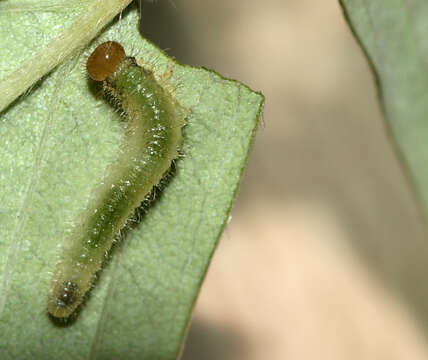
55	145
393	34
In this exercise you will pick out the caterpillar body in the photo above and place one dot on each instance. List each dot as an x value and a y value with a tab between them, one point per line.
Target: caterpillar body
153	122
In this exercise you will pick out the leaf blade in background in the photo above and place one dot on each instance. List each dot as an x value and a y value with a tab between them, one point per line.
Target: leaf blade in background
56	143
393	34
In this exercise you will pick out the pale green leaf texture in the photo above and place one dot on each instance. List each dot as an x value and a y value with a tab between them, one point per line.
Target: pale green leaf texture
394	36
55	143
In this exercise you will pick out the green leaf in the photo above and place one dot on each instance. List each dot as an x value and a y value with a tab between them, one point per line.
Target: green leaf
55	144
37	38
393	34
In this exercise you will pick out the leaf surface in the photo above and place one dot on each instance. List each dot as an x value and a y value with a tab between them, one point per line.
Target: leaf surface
56	142
393	34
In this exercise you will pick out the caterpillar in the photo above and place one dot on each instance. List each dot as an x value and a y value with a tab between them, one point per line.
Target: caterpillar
153	122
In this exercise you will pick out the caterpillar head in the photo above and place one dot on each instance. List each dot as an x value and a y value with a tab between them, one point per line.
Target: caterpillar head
105	60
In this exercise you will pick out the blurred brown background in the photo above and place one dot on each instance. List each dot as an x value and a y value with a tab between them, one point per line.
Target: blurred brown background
326	255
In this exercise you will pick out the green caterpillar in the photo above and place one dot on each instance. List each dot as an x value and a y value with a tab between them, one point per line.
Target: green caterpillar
153	122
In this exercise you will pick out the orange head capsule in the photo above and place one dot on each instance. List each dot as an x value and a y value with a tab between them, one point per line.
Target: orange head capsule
105	60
